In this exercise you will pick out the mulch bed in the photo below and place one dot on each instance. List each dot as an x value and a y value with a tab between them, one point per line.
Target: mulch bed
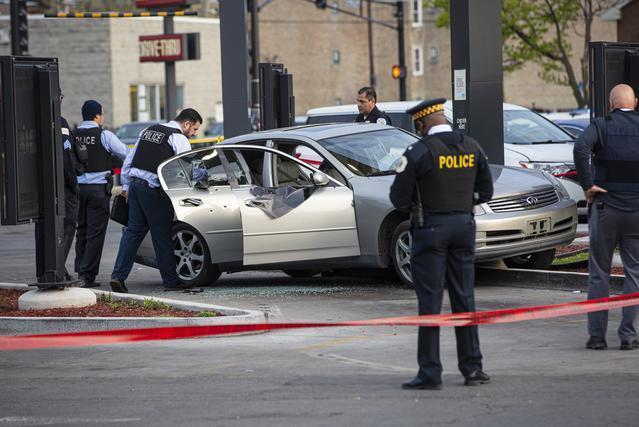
104	308
570	248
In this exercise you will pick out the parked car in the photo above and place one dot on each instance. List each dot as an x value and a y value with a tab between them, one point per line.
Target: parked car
129	132
530	140
263	208
573	126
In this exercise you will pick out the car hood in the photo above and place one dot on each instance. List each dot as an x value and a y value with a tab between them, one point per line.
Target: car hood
507	181
553	152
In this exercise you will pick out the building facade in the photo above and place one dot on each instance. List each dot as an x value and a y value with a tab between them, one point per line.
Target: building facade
99	59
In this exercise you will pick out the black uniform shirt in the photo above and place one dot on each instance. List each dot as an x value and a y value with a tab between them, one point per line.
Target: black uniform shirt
417	162
375	116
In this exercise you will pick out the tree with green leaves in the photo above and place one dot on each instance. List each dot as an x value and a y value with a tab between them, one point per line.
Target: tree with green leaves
539	31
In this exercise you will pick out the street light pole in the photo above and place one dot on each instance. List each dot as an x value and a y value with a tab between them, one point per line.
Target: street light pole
170	86
399	14
371	62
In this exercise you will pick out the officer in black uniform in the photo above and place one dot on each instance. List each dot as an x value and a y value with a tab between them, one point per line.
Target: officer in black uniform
71	166
440	179
149	206
368	111
95	191
613	213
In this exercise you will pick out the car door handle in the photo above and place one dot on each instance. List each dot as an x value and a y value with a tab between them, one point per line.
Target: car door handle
191	202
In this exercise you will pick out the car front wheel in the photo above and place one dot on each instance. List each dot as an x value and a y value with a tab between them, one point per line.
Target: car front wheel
400	251
534	261
192	257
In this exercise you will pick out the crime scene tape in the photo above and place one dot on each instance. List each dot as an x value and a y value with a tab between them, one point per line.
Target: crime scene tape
510	315
119	14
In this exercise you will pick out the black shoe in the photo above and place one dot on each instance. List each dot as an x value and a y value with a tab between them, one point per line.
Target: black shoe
117	285
629	345
476	378
68	277
420	384
89	284
596	343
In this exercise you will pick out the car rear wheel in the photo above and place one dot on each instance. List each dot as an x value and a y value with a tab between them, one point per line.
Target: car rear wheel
400	251
301	274
192	257
534	261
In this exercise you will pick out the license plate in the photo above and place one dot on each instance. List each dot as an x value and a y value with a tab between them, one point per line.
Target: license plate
538	226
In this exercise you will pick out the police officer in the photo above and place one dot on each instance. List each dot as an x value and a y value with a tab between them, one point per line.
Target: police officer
613	213
95	192
149	207
70	163
368	111
441	177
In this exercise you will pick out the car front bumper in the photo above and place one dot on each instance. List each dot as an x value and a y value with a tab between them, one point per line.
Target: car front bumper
507	235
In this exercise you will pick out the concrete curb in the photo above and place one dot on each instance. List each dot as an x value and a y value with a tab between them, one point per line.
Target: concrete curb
38	325
541	279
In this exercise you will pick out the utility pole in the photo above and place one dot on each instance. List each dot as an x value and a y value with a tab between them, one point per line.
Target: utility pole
19	28
371	62
170	85
255	58
399	14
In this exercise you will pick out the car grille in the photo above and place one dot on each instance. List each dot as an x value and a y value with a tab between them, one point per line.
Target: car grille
524	202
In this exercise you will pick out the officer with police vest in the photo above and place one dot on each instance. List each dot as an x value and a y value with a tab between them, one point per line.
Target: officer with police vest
95	190
440	178
367	106
149	206
613	213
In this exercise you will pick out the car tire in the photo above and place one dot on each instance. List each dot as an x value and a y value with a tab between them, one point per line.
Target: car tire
301	274
400	252
534	261
192	257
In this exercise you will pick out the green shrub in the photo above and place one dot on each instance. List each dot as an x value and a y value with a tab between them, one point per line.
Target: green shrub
152	304
206	314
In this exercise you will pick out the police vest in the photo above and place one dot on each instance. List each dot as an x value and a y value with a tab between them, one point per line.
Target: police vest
153	148
98	158
450	184
616	158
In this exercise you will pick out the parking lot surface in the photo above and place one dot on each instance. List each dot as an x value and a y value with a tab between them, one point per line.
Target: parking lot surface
542	375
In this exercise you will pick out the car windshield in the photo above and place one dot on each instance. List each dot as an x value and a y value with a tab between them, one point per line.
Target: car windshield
131	130
527	127
370	153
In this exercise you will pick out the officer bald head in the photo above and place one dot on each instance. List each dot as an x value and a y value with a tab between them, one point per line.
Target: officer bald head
427	114
622	96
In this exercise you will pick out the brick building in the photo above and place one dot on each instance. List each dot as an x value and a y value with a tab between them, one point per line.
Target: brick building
99	60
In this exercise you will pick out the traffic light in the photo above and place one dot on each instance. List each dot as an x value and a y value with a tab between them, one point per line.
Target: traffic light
398	72
321	4
19	28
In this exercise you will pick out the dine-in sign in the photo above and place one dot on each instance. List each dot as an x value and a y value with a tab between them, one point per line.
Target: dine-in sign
169	47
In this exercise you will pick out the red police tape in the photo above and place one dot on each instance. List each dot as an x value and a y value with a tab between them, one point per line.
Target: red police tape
511	315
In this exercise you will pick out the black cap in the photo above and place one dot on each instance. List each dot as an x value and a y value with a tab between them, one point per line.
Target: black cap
426	108
90	109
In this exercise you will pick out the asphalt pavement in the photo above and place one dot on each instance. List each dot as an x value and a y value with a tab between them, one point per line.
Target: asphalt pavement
542	374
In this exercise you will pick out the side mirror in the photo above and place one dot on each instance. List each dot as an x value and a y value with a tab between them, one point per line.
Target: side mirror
320	179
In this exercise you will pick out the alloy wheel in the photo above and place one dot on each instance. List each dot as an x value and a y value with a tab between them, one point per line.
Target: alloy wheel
402	254
189	255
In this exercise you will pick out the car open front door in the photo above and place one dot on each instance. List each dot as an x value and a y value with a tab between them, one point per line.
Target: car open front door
292	212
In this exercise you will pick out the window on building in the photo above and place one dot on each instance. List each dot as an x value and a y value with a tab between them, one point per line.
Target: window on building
335	7
336	56
418	61
352	3
418	11
433	55
148	102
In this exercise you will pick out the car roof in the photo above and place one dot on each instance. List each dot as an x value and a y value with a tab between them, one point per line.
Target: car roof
387	107
316	131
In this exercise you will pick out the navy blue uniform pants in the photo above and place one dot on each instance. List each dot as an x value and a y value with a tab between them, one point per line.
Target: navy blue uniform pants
93	218
443	253
149	209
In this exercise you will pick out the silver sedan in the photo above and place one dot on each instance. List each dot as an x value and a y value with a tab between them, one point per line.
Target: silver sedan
315	198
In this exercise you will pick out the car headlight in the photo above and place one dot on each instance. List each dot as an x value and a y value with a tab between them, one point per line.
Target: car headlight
561	190
558	169
478	210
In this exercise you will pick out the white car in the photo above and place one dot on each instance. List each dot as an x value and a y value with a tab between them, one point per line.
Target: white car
530	140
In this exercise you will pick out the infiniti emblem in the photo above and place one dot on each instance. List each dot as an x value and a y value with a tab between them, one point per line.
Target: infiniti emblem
532	200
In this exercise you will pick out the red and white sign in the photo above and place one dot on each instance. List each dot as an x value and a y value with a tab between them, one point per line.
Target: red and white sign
169	47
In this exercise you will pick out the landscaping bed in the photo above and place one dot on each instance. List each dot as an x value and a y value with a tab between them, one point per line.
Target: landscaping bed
106	307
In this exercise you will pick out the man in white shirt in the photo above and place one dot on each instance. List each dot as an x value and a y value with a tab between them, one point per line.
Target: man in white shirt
149	206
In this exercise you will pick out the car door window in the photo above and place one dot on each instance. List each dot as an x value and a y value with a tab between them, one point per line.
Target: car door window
178	173
175	176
